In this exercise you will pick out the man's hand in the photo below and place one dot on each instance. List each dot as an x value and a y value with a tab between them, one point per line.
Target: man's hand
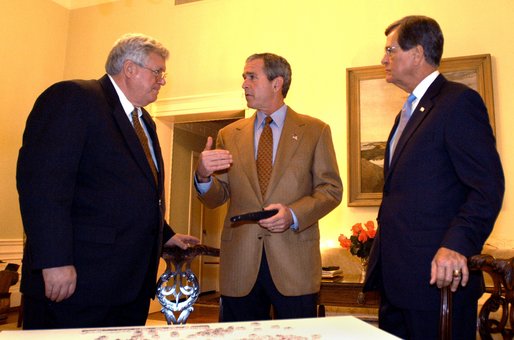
182	241
445	267
279	222
60	282
211	161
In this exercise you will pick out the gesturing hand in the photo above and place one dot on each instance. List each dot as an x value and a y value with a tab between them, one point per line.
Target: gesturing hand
211	161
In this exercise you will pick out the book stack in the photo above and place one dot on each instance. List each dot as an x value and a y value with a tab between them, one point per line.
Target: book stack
331	272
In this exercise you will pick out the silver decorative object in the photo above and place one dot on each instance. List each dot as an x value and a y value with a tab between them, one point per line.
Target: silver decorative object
178	288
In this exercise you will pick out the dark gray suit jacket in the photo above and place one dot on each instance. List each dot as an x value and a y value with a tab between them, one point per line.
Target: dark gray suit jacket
87	195
443	188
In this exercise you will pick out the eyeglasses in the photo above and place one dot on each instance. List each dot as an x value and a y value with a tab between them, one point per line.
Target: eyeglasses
158	74
389	50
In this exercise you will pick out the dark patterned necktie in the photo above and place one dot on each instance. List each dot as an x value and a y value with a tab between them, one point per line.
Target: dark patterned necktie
144	142
265	155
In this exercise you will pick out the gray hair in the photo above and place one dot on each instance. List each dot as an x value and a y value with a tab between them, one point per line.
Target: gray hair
135	47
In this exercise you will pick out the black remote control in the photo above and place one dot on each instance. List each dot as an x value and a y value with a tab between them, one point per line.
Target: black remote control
254	216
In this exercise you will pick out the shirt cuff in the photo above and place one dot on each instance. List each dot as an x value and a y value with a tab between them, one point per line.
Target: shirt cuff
202	188
294	226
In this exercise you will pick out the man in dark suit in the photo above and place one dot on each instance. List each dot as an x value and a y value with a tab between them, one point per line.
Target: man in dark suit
443	190
276	260
91	195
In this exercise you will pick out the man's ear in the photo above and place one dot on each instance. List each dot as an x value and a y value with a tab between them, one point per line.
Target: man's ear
419	53
278	82
129	68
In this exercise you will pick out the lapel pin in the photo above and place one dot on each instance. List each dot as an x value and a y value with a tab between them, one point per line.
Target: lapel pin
295	137
422	109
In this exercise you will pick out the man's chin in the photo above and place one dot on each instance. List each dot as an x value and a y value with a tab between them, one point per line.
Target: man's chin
250	104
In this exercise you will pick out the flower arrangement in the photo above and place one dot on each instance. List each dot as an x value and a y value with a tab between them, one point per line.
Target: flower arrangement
361	240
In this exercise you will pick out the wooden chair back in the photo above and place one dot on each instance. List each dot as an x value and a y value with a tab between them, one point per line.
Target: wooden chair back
496	315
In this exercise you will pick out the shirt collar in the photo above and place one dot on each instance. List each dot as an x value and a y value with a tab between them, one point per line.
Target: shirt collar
422	87
128	107
278	117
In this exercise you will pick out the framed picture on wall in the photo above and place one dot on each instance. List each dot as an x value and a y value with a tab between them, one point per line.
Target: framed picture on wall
372	106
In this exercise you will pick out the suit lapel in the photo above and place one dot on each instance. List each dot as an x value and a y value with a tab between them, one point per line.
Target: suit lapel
246	151
150	127
290	138
127	129
387	156
418	116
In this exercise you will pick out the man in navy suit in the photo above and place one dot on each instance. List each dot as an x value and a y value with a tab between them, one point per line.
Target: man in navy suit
443	190
91	196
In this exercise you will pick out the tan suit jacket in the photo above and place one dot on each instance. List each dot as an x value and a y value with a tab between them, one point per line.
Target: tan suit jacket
305	177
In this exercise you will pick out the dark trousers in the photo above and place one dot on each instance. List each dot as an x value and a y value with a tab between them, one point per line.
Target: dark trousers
257	304
424	325
44	314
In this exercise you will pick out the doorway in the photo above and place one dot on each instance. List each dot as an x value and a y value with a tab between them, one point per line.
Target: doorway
187	213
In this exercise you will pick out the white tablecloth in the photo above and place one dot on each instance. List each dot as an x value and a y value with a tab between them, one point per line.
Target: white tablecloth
336	327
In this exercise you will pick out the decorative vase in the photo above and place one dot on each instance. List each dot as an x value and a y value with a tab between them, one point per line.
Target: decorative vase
364	268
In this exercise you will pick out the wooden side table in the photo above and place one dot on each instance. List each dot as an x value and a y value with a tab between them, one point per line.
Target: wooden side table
347	292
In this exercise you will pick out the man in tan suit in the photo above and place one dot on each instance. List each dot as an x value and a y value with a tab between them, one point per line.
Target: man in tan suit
274	261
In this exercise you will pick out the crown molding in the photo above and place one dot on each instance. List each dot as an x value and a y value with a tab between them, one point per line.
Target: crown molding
75	4
225	102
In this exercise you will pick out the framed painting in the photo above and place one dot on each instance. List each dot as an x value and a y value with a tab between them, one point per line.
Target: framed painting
372	106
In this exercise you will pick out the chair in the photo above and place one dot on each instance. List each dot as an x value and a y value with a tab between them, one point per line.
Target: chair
178	288
496	315
8	277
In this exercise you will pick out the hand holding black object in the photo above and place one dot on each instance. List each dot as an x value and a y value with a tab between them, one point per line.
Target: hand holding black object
254	216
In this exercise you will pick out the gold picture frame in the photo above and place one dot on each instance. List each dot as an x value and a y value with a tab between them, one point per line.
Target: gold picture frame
372	106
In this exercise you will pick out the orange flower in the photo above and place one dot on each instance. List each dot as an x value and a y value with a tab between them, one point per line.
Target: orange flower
344	242
370	225
371	229
363	237
361	240
356	229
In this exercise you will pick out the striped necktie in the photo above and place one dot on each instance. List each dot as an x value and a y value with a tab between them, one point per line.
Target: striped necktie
141	135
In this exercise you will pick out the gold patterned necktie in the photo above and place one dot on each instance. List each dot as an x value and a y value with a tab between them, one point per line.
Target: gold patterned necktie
265	155
141	135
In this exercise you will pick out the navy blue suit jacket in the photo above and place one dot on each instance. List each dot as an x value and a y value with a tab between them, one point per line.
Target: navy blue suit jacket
443	188
87	195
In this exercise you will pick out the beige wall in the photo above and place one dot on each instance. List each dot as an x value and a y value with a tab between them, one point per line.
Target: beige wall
33	56
209	41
